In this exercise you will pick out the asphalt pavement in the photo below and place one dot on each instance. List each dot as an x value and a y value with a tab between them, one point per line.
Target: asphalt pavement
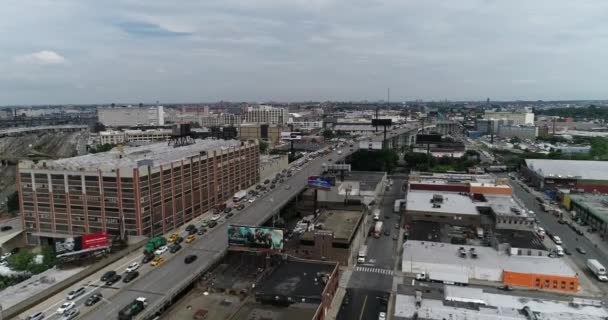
362	304
570	239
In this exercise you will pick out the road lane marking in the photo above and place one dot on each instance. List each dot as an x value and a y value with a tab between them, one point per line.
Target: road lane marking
363	308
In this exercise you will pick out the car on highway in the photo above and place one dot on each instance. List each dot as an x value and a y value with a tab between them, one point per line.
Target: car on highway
147	258
175	248
215	217
191	258
113	280
190	238
76	293
212	224
173	237
201	231
227	210
581	250
6	228
70	314
190	227
557	240
36	316
157	261
93	299
65	307
251	200
228	216
129	276
192	231
161	250
132	267
205	223
179	240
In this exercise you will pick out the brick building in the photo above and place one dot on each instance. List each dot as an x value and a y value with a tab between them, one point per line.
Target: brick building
146	190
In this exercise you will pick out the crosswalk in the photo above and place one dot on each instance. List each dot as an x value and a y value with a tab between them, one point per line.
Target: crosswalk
375	270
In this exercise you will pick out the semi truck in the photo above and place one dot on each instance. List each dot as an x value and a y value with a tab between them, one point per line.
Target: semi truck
239	196
598	269
362	254
444	277
378	229
154	244
132	309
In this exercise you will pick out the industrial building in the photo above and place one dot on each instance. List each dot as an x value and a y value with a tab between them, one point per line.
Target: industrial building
552	175
265	114
591	209
334	235
488	264
462	303
517	118
355	187
261	131
515	131
115	137
145	190
468	183
453	208
130	116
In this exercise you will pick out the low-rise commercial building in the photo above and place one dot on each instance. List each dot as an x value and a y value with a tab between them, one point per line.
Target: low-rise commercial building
265	132
552	175
146	190
453	208
461	303
591	209
489	264
357	187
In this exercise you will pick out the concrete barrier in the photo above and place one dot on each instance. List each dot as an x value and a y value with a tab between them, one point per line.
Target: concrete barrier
22	306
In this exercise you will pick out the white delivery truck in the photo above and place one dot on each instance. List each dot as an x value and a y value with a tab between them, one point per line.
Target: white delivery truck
376	214
444	277
378	229
398	203
239	196
598	269
362	254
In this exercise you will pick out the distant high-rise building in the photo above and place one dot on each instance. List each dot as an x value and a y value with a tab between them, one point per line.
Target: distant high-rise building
265	114
128	116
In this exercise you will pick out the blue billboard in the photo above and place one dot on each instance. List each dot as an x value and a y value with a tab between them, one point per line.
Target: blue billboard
318	182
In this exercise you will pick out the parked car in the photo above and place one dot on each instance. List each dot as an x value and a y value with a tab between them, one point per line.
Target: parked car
113	280
65	307
93	299
191	258
505	288
132	267
130	276
76	293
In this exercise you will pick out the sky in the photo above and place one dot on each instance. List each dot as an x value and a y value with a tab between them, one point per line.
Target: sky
78	51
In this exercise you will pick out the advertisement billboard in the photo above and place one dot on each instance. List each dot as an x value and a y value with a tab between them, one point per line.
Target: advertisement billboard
79	243
318	182
94	240
255	238
291	136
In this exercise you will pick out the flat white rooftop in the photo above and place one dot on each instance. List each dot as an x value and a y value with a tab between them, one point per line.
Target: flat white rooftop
564	169
453	203
492	306
421	256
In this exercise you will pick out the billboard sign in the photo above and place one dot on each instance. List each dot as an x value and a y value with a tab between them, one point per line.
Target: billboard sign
79	243
319	182
291	136
255	238
382	122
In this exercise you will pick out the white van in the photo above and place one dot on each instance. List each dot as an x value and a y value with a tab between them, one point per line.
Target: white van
559	251
557	240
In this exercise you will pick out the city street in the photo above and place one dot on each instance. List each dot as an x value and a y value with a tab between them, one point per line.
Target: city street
570	239
361	304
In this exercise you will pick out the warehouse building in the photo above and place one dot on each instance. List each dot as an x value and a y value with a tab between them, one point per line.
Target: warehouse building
538	272
146	190
552	175
461	303
591	209
130	116
453	208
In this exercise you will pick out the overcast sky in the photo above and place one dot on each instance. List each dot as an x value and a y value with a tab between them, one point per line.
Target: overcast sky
76	51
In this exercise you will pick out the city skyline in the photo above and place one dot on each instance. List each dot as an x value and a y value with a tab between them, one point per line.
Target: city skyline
57	52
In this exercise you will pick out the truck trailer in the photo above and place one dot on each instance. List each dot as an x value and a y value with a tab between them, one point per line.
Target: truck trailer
598	269
378	229
154	244
132	309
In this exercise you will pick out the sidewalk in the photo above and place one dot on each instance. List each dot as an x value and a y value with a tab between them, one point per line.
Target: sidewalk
336	303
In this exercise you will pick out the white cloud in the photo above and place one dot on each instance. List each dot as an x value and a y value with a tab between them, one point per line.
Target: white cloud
44	57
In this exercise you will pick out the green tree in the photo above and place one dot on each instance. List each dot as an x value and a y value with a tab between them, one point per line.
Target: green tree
515	140
263	146
12	202
328	134
21	261
599	148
